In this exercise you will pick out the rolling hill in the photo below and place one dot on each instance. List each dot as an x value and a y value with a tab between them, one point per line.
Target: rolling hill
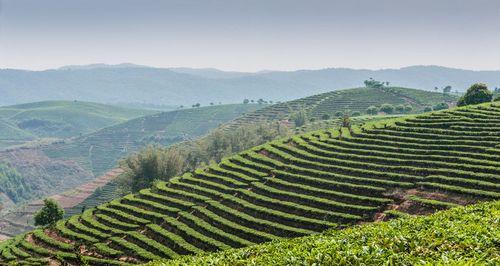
59	119
118	84
68	163
291	187
347	100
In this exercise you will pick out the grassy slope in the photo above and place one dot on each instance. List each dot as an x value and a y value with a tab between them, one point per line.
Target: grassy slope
298	187
101	150
463	235
63	119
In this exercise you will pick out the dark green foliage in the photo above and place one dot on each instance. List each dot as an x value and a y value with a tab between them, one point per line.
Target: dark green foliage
356	113
339	114
477	93
497	99
371	83
400	108
428	109
408	108
50	213
387	108
152	163
372	110
440	106
14	185
325	117
299	118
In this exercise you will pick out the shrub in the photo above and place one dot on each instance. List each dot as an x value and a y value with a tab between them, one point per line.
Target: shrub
372	110
440	106
356	113
428	109
339	114
477	93
408	108
387	108
50	213
400	108
299	118
497	99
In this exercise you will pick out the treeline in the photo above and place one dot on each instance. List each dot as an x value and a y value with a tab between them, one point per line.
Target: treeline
161	163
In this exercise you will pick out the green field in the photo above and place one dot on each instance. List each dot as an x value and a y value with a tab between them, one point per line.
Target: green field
59	119
292	187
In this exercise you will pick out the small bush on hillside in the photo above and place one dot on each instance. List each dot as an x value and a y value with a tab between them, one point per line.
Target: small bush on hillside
440	106
339	114
408	108
50	213
400	108
428	109
477	93
356	113
497	99
299	118
372	110
387	108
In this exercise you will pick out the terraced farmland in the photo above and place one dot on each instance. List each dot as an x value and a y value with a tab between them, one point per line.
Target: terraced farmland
353	100
288	188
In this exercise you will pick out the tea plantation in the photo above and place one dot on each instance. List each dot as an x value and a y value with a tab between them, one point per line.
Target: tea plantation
351	100
294	187
461	236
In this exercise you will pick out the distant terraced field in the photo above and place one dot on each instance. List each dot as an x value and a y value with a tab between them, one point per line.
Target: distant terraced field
288	188
358	99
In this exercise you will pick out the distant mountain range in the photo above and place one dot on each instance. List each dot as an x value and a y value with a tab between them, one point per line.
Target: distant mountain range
129	83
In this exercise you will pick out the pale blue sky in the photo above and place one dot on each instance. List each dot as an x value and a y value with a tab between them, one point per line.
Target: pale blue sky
251	35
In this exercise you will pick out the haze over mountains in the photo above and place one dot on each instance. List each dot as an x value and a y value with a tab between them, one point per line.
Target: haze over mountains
129	83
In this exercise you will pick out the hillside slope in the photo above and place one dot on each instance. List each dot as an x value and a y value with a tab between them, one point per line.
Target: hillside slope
66	164
461	236
59	119
289	188
348	100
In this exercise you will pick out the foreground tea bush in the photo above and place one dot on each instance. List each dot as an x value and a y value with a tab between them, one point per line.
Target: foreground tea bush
459	236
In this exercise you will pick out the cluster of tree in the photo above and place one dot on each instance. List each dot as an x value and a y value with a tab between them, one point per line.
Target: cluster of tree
259	101
446	89
477	93
437	107
161	163
389	109
371	83
14	185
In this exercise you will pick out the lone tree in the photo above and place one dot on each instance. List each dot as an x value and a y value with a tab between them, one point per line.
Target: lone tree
50	213
477	93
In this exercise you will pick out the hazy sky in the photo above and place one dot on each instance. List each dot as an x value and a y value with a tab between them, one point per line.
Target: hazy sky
251	35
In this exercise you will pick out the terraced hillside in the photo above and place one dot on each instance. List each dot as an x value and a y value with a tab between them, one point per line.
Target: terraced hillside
101	150
288	188
358	99
58	119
